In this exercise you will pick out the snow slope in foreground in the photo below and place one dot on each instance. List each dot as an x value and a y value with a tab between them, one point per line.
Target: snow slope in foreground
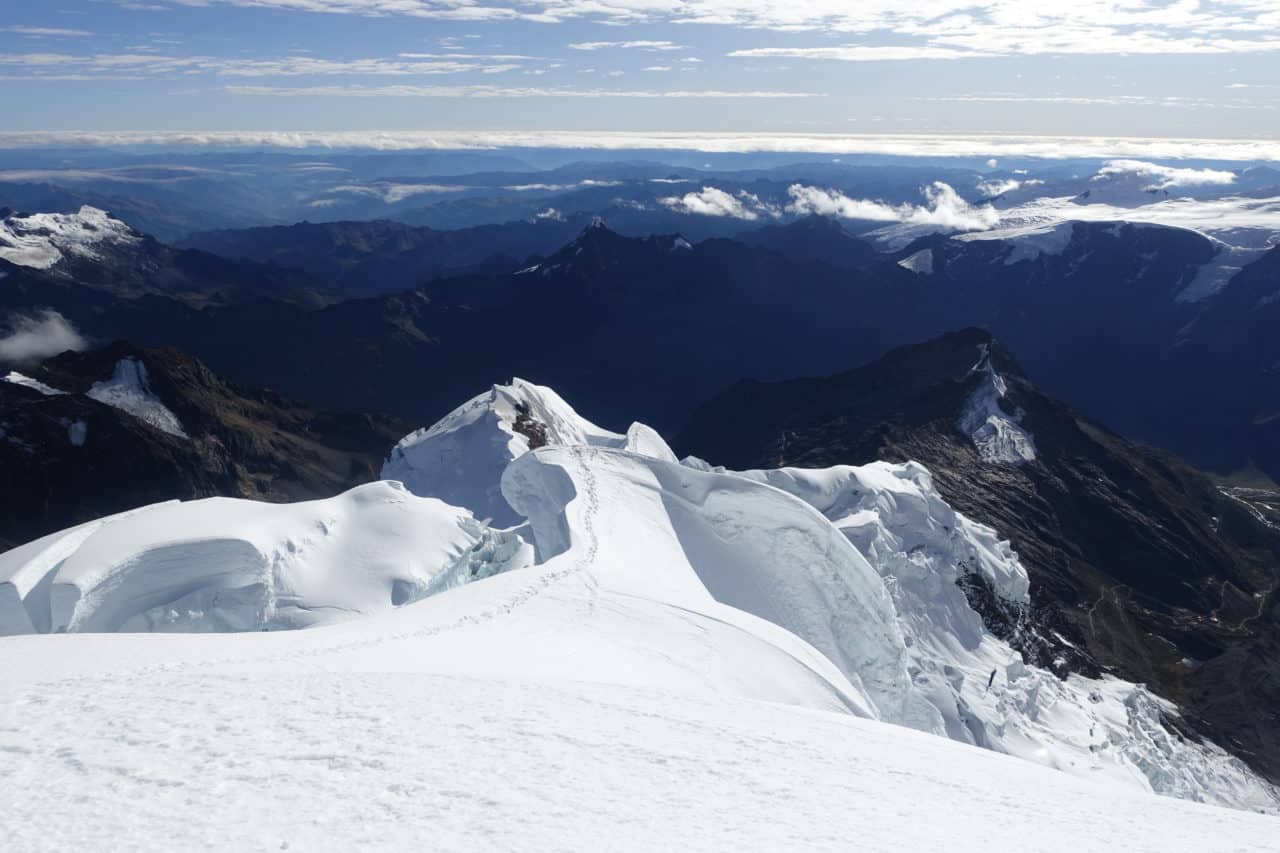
310	746
578	704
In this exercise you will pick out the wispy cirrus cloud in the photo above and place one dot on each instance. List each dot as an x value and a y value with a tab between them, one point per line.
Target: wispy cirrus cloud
626	45
46	32
145	64
858	53
959	29
392	192
887	29
499	92
1168	101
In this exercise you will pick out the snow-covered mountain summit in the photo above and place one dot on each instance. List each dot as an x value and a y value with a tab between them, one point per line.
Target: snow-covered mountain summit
460	459
842	590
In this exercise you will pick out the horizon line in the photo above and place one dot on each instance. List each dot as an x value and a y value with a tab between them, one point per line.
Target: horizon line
909	144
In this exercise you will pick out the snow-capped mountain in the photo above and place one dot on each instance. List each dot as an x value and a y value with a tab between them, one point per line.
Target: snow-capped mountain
42	240
91	253
837	590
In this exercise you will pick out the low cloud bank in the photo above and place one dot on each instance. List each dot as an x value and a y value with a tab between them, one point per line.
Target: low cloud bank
1165	177
943	208
27	338
711	201
1000	186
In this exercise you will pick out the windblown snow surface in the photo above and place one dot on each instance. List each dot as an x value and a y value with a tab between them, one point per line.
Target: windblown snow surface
653	654
40	240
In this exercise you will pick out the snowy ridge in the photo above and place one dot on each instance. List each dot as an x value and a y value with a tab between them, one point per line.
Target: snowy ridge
997	436
129	391
41	240
223	564
460	459
930	670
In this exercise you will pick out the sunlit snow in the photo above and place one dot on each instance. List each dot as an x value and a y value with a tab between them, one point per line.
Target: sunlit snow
638	623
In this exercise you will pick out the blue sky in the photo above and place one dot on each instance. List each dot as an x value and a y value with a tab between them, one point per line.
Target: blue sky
1089	67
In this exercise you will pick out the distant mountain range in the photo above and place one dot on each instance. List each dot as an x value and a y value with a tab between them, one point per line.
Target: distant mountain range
656	325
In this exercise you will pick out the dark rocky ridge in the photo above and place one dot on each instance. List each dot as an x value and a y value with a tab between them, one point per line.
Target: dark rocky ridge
1136	558
242	443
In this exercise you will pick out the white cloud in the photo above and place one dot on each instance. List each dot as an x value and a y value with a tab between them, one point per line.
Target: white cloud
56	32
858	53
943	208
1000	186
1165	177
35	337
657	68
890	29
157	174
902	145
506	57
1172	101
954	29
626	45
712	201
133	65
550	214
392	193
584	184
496	92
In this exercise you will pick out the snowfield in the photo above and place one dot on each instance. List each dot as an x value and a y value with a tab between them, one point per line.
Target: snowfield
129	390
650	654
41	240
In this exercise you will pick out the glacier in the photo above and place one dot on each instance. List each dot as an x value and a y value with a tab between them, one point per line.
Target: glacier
41	240
129	390
536	601
998	436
